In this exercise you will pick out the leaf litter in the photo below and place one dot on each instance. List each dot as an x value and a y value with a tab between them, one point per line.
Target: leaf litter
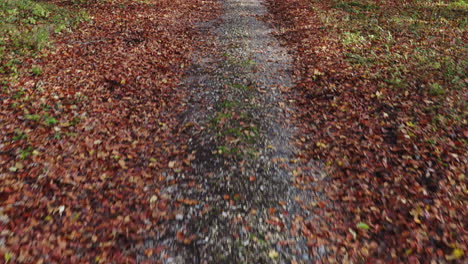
106	157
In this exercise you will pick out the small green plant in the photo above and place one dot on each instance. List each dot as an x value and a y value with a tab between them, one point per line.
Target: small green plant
49	121
240	86
19	135
25	153
228	104
358	59
75	121
436	89
58	135
228	150
19	94
352	38
219	116
459	3
396	81
34	117
36	71
355	6
247	63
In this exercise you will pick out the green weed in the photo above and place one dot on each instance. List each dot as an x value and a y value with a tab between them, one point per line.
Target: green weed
436	89
19	135
49	121
26	27
34	117
240	86
36	71
25	153
352	39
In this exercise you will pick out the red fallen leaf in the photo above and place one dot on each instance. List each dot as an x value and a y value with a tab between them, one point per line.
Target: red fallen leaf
188	201
321	204
365	122
162	205
271	210
181	238
148	252
305	231
158	249
275	221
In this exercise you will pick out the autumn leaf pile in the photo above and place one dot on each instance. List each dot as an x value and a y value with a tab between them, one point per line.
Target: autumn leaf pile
382	102
84	141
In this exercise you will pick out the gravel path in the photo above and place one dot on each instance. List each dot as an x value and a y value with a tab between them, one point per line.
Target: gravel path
237	203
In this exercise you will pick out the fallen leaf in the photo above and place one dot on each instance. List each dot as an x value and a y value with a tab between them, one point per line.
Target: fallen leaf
362	225
273	254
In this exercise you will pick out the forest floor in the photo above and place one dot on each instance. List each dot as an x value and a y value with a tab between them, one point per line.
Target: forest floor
235	131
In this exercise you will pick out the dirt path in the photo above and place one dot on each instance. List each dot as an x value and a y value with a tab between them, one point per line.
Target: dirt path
238	198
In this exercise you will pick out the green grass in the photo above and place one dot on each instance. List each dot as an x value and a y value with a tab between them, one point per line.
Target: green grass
26	28
25	153
240	86
227	104
220	116
49	121
373	38
436	89
19	135
234	128
34	117
356	7
36	71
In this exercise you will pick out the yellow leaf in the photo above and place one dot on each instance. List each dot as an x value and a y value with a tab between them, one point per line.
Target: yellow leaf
321	144
416	212
456	254
7	257
317	72
171	164
273	254
122	164
297	172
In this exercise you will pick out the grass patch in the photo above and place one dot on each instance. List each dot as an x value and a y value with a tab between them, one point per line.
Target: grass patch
25	153
436	89
26	28
234	129
36	71
406	42
227	104
356	7
241	87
